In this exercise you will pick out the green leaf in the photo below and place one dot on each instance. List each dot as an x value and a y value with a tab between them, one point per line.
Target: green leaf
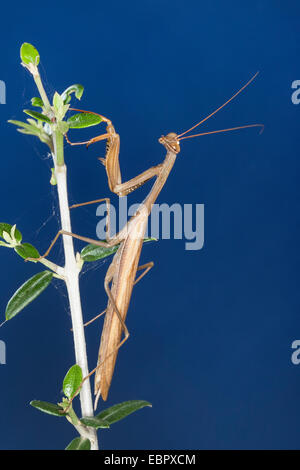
20	124
150	239
79	443
7	245
77	89
7	228
33	128
60	108
27	293
95	422
27	128
38	102
49	408
7	237
78	121
117	412
29	54
26	250
72	381
93	252
57	101
36	115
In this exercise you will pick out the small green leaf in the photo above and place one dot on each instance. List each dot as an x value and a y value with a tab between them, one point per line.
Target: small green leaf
72	381
7	245
78	121
60	108
49	408
7	237
26	250
27	128
95	422
77	89
36	115
38	102
93	252
8	228
57	101
20	124
33	128
117	412
27	293
150	239
79	443
29	54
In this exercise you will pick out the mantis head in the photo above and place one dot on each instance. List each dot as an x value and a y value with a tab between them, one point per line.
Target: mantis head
170	142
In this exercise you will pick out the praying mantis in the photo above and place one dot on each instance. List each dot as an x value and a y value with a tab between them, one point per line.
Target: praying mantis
121	274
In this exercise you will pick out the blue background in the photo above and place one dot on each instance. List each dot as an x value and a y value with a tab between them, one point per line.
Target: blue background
211	330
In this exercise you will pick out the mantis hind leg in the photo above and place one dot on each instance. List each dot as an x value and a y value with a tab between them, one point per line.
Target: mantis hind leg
109	241
109	278
147	268
95	318
79	237
95	201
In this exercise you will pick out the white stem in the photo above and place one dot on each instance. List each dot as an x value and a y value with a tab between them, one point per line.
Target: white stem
71	274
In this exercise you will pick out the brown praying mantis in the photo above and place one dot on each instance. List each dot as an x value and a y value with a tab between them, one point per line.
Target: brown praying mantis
121	274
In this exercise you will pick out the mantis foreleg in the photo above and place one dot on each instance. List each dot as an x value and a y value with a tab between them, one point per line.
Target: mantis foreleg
111	160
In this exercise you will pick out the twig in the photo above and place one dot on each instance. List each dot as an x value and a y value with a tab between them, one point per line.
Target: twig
71	269
71	273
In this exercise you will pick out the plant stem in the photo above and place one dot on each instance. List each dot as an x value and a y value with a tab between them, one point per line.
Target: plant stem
71	274
42	92
59	148
71	270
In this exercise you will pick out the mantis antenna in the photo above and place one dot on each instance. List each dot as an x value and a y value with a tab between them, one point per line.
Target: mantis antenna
218	109
224	130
